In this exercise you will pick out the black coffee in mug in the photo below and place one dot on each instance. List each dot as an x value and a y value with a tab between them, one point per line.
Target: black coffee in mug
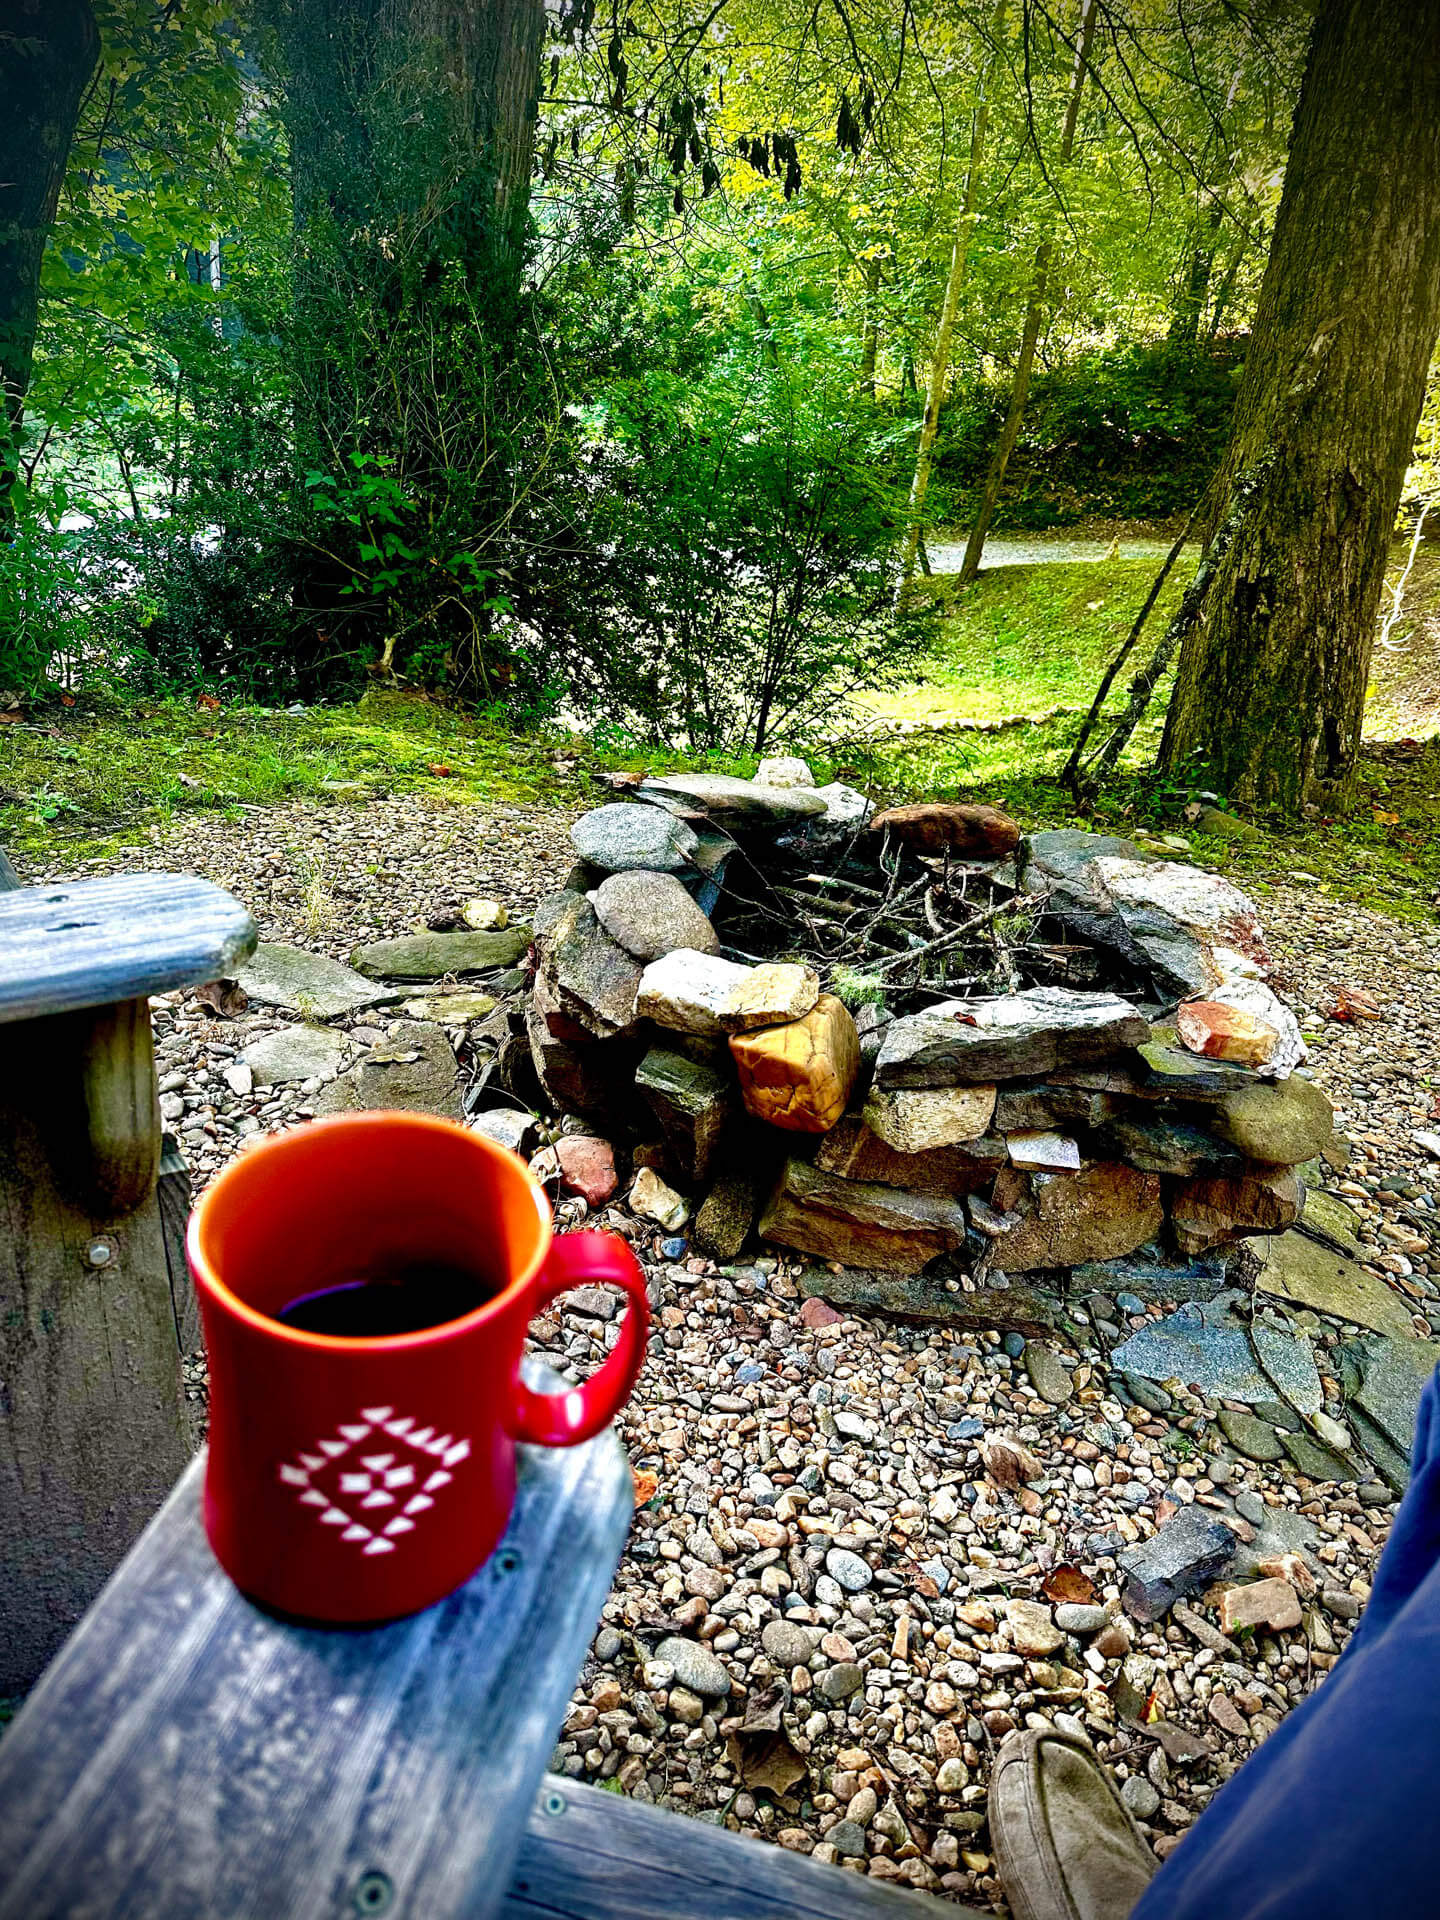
405	1300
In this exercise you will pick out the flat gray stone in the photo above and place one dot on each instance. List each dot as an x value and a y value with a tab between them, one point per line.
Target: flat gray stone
1317	1462
1049	1378
1202	1344
307	983
294	1054
1306	1274
415	1072
1289	1360
1393	1375
1012	1036
651	914
695	1667
621	837
510	1127
1251	1436
1278	1530
1329	1220
432	956
734	801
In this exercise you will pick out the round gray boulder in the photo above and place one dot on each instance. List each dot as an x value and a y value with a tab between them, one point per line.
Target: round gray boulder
619	838
650	914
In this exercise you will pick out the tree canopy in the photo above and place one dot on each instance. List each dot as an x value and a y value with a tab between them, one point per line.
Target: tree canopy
584	366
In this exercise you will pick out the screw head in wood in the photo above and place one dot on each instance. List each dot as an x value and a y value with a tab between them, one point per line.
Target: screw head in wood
101	1251
374	1892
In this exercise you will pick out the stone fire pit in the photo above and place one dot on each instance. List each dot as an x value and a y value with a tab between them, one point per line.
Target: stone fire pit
853	1035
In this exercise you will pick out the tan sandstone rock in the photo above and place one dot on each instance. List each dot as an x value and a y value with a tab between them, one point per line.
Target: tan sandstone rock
853	1150
1216	1207
1099	1213
1226	1033
913	1120
1264	1603
799	1076
693	992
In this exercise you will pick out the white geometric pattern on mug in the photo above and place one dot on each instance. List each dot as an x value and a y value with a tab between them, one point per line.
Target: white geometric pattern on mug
386	1487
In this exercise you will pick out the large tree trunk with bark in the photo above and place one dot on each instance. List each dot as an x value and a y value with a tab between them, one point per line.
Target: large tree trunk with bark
412	132
1271	686
48	51
412	129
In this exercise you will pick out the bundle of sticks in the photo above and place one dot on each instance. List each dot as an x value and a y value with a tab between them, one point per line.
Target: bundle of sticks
919	928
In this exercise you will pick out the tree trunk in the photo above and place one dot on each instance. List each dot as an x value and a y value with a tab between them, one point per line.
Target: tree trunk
384	207
1034	312
1184	332
48	51
940	359
870	353
1268	700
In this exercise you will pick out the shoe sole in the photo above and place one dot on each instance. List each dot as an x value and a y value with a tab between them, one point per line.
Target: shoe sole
1020	1833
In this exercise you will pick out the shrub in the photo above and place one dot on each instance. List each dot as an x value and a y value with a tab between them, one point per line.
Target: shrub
726	577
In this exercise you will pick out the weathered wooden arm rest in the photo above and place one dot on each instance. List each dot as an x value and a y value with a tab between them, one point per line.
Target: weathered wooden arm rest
590	1855
77	962
188	1754
93	943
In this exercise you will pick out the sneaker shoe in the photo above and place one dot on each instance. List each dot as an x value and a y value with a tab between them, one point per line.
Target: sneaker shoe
1066	1847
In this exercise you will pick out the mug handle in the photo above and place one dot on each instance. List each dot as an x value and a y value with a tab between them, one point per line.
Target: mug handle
578	1413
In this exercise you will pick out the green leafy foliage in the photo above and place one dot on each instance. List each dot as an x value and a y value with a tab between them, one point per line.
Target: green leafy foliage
1133	432
732	527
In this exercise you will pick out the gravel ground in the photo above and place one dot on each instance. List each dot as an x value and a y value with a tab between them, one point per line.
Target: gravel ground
843	1460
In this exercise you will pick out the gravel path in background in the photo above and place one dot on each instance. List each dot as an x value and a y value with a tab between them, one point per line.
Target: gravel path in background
843	1459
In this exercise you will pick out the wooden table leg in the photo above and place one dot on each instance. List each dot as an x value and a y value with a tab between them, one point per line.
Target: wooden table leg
93	1424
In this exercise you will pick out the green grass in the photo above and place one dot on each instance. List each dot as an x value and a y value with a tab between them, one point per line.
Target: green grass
96	775
1021	641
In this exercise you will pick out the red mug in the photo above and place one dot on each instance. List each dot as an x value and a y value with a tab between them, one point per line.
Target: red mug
359	1479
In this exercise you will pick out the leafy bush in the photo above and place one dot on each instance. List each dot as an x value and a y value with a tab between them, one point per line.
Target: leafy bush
1134	432
45	594
726	573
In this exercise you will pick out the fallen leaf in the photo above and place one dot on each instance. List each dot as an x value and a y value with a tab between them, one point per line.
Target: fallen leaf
6	717
647	1485
441	772
1068	1586
208	703
223	998
1180	1747
760	1751
67	699
1383	819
